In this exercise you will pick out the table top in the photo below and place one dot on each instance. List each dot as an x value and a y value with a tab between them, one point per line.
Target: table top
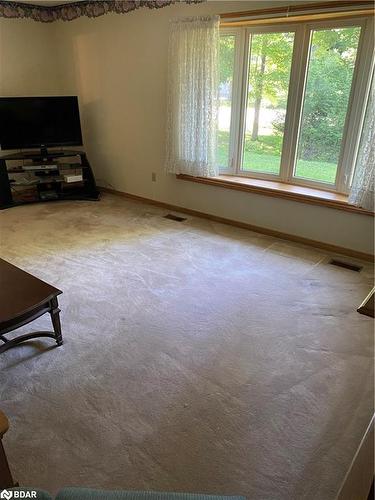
4	424
21	292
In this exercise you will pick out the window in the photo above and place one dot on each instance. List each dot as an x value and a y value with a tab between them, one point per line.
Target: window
329	79
291	101
270	60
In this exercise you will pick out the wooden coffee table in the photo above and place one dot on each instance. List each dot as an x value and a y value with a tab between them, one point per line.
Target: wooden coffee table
23	298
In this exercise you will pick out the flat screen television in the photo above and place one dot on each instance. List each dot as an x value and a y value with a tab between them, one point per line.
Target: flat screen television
39	122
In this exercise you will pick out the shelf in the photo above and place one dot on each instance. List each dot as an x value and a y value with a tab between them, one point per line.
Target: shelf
23	171
61	181
71	196
24	184
33	155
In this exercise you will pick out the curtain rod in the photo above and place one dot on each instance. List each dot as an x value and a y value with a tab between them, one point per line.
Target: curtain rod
298	18
288	9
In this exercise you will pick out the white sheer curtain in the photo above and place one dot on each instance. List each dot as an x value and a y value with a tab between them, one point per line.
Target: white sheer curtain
362	190
193	96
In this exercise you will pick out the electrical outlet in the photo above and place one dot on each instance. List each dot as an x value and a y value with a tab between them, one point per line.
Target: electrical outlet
153	177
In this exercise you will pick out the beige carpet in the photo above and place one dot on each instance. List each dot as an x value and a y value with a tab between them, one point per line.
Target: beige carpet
197	357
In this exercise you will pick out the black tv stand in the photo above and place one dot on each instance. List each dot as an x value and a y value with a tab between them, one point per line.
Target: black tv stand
45	176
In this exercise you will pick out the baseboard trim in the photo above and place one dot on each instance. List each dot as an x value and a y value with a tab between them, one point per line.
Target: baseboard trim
244	225
357	482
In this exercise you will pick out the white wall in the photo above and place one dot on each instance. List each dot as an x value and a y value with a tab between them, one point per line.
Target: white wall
28	65
117	64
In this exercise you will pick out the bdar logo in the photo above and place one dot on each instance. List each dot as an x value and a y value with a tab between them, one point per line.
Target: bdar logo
7	495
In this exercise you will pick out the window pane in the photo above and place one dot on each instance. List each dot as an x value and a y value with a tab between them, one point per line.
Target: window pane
269	72
329	79
226	69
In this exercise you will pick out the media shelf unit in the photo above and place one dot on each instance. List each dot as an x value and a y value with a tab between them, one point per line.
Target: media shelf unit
40	176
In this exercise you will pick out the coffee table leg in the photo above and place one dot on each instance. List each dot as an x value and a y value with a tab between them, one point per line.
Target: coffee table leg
55	317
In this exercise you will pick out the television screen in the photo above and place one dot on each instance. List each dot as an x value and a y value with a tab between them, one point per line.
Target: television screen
27	122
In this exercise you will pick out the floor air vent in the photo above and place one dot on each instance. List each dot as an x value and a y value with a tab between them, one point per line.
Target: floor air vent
174	217
346	265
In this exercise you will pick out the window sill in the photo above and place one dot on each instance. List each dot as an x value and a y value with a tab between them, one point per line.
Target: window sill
279	190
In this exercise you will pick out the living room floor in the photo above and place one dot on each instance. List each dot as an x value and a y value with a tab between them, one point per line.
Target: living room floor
198	357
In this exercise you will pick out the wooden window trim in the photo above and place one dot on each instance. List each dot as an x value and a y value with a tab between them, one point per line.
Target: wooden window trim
329	16
276	189
288	11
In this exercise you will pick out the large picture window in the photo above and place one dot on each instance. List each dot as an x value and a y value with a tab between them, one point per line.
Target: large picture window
290	99
270	60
